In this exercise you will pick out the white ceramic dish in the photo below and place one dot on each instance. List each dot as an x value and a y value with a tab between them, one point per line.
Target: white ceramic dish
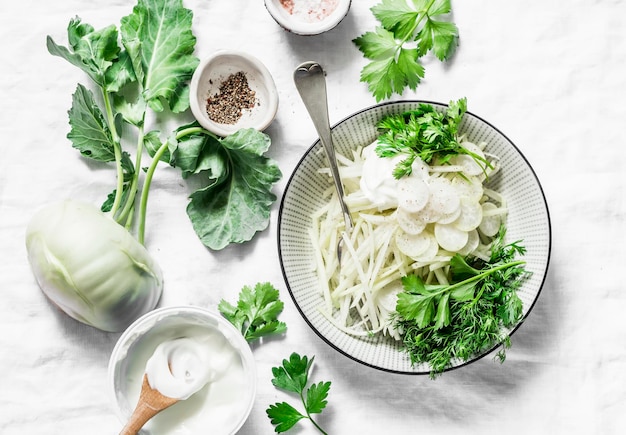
310	17
213	71
528	219
202	410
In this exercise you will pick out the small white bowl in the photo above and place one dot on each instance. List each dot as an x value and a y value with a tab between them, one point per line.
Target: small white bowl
236	389
213	71
301	20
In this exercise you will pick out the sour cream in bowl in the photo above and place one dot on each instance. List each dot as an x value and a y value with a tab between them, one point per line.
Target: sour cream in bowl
191	354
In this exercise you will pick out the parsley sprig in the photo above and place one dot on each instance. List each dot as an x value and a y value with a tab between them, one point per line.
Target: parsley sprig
442	322
256	312
424	133
293	376
408	31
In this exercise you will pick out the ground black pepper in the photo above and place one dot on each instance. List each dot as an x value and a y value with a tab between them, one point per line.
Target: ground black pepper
234	96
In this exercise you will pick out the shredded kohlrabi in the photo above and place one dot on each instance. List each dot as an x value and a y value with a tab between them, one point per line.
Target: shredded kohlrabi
437	211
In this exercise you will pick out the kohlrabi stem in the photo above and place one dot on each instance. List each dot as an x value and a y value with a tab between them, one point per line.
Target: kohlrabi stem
126	212
117	150
143	203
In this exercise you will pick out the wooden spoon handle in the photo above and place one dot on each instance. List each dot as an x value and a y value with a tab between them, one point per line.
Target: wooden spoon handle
150	403
142	413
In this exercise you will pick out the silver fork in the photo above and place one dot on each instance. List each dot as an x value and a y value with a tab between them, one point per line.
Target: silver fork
311	84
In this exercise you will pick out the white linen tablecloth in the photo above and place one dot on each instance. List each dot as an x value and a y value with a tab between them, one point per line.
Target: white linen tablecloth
551	75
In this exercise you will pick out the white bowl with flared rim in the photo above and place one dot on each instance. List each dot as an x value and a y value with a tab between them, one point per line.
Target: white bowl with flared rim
224	407
217	68
528	220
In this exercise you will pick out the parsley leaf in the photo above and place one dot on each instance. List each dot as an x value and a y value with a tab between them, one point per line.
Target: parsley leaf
293	376
408	31
424	133
256	312
442	322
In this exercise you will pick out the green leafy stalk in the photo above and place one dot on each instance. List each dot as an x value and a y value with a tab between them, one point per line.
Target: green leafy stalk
442	322
256	312
408	31
293	376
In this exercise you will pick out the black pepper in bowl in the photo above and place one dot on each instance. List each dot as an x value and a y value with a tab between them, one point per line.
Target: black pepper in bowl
234	96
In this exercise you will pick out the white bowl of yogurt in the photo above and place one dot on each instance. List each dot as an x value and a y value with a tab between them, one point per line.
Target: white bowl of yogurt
190	353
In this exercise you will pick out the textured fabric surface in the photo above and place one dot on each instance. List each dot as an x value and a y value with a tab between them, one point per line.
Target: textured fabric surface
550	76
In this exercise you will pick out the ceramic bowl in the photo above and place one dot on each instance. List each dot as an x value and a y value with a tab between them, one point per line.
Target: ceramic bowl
297	17
234	392
305	193
213	71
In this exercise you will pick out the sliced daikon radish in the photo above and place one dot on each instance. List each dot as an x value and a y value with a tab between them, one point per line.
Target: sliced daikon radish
451	217
413	245
443	196
431	252
410	223
450	237
387	296
469	165
468	186
420	169
471	215
490	224
472	243
413	193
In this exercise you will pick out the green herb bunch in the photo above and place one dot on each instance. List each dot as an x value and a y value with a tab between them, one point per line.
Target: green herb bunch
426	134
256	312
408	31
439	323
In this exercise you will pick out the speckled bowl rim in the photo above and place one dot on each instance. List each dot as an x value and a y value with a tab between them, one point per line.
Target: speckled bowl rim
315	147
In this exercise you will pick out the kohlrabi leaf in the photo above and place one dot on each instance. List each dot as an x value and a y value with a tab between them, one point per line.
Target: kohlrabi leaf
160	42
97	53
236	204
198	152
89	132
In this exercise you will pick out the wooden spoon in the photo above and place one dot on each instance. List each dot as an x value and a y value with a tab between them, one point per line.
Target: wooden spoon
150	403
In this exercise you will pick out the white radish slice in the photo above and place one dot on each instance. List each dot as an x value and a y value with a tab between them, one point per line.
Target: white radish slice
443	196
429	214
413	245
387	296
432	250
469	165
413	193
410	223
449	218
490	225
468	186
450	238
471	215
420	169
472	243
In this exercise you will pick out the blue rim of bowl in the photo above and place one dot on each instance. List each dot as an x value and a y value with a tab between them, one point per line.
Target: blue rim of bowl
341	351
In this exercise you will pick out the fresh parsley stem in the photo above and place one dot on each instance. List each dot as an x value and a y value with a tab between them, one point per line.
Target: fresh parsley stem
308	414
411	34
479	276
143	204
117	149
